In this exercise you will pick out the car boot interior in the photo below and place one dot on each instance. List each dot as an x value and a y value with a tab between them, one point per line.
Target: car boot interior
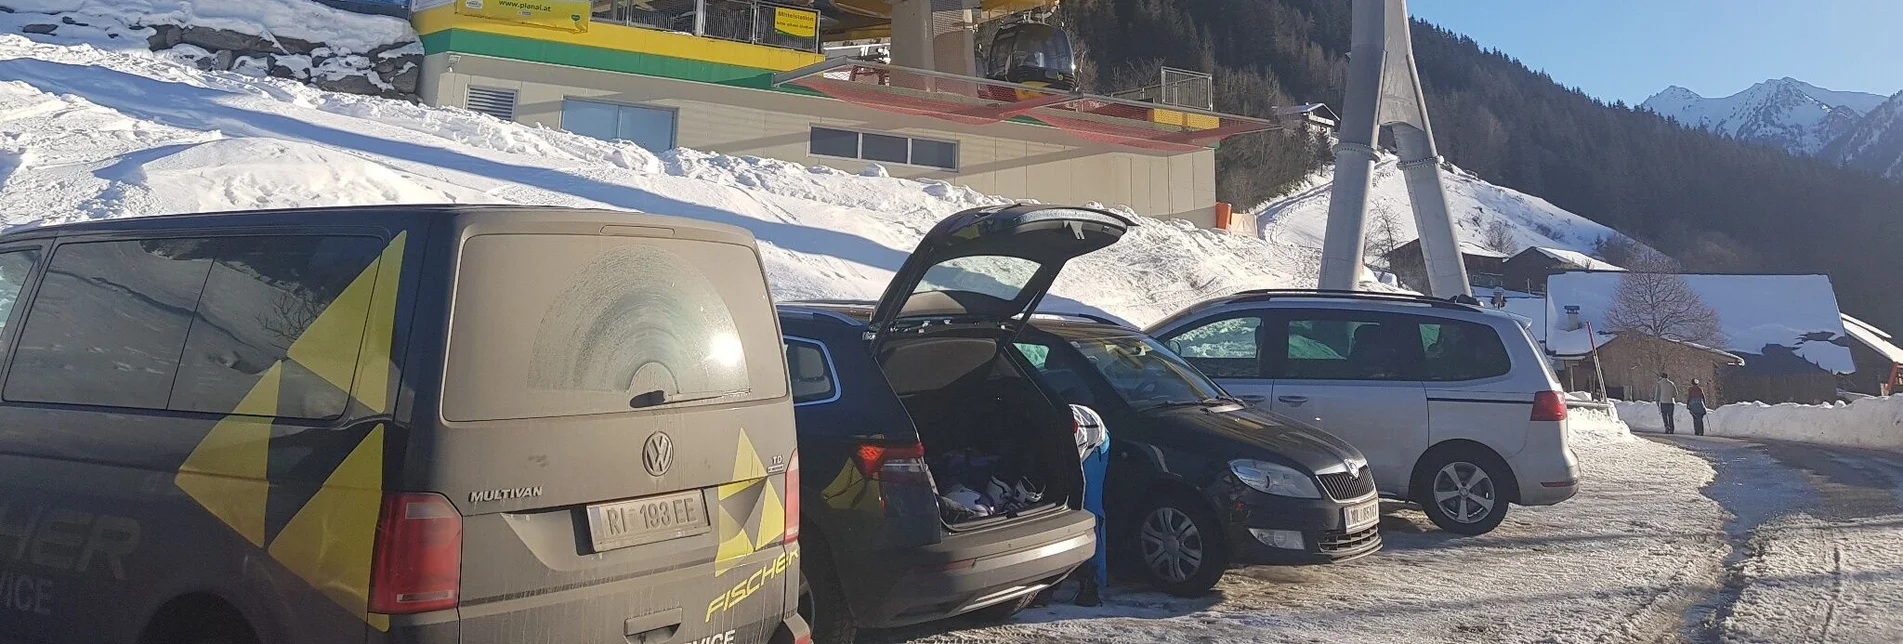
997	446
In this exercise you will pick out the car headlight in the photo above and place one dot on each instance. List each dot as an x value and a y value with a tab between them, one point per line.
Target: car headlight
1270	478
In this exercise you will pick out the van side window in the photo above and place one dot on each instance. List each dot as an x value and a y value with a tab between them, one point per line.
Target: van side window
1350	347
262	296
15	266
811	372
1227	348
1458	350
108	324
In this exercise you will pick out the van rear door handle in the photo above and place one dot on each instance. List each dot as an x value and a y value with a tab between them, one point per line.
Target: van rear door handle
1293	401
653	629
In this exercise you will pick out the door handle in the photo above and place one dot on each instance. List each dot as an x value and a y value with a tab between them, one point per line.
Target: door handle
1253	398
1293	401
653	629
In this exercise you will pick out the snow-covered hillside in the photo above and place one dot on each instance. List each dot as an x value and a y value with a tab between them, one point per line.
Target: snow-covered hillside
89	133
1302	217
1784	112
1876	144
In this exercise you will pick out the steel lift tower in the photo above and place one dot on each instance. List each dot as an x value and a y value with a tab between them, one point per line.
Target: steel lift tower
1384	89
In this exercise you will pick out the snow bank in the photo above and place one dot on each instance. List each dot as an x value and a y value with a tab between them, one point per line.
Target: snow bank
1596	426
1875	423
93	133
300	19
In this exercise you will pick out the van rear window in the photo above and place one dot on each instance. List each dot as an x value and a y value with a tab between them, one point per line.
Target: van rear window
569	325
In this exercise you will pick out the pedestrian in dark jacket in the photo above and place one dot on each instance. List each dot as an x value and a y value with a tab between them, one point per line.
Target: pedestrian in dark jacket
1695	403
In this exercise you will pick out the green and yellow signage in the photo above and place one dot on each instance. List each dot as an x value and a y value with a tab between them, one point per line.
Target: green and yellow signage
571	15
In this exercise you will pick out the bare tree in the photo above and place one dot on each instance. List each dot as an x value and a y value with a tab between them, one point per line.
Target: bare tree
1661	305
1384	235
1498	237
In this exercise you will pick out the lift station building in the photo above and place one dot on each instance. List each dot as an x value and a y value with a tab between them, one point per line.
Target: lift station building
840	83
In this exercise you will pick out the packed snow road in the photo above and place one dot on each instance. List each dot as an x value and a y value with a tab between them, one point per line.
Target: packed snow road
1674	539
1815	535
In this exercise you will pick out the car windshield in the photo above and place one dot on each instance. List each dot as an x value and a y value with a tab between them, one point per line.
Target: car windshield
1146	374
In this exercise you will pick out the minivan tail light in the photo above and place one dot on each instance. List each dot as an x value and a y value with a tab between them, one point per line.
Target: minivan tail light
792	499
893	463
1549	405
417	566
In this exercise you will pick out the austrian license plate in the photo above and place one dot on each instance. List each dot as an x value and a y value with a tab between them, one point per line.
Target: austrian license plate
632	523
1358	517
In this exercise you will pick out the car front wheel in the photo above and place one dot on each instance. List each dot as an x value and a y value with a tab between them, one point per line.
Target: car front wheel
1180	546
1464	490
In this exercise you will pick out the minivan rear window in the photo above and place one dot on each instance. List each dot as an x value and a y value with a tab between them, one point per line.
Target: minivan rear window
568	325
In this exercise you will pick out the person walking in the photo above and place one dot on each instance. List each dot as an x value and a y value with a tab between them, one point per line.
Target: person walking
1666	393
1695	403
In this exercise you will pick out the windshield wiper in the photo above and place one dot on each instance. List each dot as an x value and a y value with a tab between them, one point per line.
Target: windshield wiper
659	397
1172	404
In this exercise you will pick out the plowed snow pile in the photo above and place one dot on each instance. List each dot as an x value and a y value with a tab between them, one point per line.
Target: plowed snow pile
1875	423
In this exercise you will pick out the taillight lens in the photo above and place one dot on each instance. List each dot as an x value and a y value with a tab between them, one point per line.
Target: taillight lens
419	555
792	499
1549	405
893	463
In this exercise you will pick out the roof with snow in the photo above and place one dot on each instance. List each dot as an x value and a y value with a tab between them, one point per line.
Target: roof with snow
1572	258
1877	339
1759	314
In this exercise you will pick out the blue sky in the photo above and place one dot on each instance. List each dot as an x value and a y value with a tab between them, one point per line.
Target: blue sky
1629	49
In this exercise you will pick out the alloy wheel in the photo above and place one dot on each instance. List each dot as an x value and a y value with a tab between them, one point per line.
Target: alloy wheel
1172	544
1464	492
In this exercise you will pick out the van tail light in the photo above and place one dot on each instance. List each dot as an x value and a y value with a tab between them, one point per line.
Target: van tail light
893	463
1549	405
792	499
417	566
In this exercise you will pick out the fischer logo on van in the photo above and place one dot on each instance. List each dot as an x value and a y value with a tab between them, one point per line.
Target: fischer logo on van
483	496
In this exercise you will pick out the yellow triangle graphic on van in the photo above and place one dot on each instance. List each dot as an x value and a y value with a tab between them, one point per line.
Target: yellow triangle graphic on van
772	519
373	367
328	347
746	462
329	542
225	474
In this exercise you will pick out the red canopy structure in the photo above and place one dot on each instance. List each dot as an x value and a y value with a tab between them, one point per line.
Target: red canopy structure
978	101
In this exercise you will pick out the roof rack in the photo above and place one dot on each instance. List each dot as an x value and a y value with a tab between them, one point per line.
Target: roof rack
1441	303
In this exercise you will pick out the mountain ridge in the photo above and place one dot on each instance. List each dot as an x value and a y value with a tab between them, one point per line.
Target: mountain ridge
1854	129
1782	112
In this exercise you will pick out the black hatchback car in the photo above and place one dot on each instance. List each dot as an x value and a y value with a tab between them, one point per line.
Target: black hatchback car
1198	480
944	477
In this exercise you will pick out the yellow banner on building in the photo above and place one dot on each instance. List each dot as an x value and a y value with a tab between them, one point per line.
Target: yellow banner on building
571	15
798	23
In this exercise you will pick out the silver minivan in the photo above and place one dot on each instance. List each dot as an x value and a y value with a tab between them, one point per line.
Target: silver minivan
1454	405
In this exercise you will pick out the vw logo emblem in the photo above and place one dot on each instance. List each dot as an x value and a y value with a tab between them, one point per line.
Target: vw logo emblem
658	454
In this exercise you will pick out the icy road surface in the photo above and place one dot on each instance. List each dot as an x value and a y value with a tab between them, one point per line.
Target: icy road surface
1677	539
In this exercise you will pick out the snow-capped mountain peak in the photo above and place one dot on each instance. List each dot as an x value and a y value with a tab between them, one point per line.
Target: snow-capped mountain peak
1782	112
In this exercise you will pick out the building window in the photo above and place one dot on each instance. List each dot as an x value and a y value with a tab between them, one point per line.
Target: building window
651	128
883	148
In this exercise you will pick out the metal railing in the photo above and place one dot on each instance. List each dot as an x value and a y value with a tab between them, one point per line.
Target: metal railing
1176	87
748	21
